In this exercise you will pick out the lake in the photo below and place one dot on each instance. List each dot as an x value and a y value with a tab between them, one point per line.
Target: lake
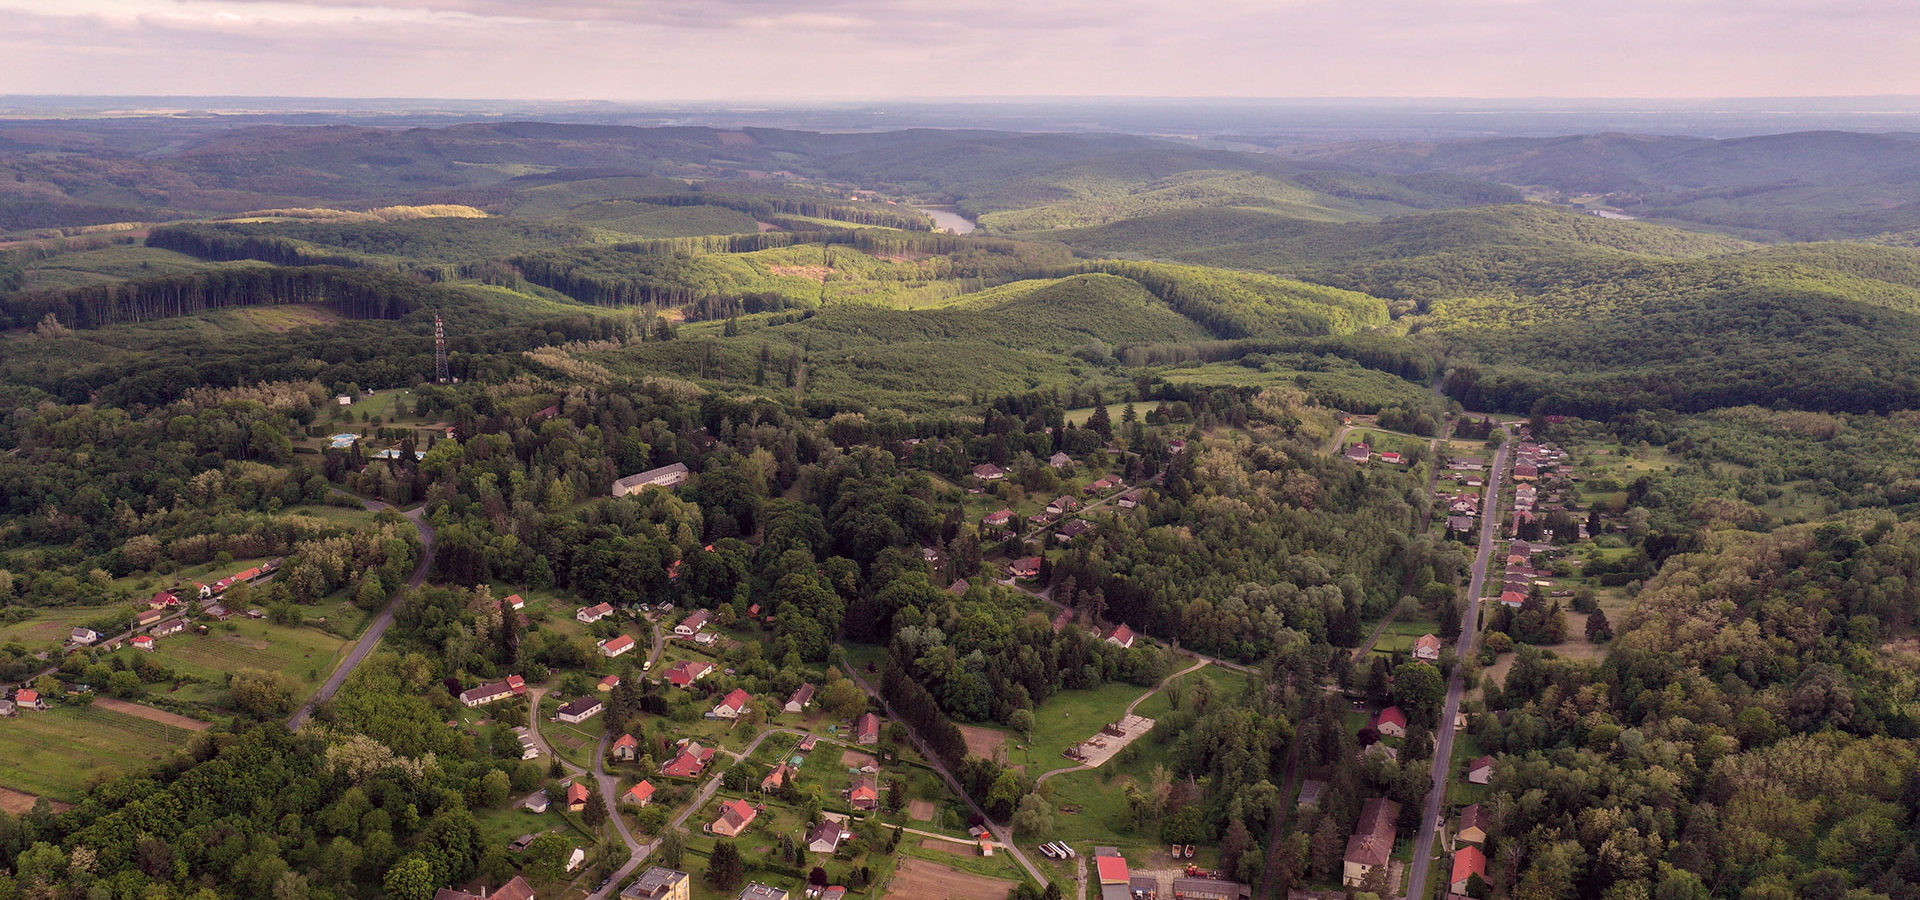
948	220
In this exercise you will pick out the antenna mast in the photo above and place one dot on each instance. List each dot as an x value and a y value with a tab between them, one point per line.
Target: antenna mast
440	373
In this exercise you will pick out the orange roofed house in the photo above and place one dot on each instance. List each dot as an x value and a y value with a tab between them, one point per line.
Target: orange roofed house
735	816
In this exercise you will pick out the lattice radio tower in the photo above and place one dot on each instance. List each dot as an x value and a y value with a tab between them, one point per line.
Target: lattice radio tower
440	373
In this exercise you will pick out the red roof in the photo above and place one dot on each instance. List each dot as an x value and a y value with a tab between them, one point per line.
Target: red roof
1469	862
641	792
576	793
1113	869
1121	635
616	645
738	699
26	695
1512	598
143	640
1390	714
626	740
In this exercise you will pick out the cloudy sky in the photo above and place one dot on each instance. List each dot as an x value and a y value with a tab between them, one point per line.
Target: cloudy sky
665	50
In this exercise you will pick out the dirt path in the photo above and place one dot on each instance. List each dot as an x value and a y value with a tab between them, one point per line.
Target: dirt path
151	714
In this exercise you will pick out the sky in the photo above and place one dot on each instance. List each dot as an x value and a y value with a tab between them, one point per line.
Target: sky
825	50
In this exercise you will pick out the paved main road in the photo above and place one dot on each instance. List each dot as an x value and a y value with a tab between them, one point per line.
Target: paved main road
1456	686
381	623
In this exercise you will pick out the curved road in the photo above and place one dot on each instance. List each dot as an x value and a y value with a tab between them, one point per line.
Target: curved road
1469	636
371	637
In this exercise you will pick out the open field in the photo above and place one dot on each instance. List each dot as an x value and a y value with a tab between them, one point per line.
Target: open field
983	742
303	656
919	879
57	753
152	715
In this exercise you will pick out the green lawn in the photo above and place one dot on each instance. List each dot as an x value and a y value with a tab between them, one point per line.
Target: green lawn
304	656
58	753
1066	719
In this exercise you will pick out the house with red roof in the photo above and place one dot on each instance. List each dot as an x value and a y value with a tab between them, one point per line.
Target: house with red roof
639	795
691	761
516	601
686	672
1427	648
867	729
1391	722
28	698
732	705
735	817
864	793
143	642
609	683
998	518
776	779
1514	599
1121	635
514	686
1467	863
594	613
614	646
1024	567
626	748
576	796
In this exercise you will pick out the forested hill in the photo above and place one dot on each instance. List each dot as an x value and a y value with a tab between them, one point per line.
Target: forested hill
1802	186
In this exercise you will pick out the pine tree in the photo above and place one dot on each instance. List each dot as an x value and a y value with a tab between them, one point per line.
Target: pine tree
596	811
725	868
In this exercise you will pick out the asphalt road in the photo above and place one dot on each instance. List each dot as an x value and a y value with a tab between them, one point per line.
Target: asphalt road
381	622
1456	687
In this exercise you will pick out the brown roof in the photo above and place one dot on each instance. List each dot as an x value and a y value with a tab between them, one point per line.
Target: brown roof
517	889
1373	836
1474	816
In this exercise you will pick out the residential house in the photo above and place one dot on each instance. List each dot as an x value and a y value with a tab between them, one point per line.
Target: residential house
1064	503
866	729
1121	635
515	889
84	636
1024	567
148	617
777	778
616	645
826	836
735	816
989	472
1460	524
171	626
8	709
1177	445
1371	845
1115	878
1358	453
1059	460
958	587
536	802
1131	498
594	613
1480	771
1467	863
639	795
575	858
1390	458
807	743
658	883
692	624
1105	484
668	476
516	601
1391	722
691	761
1524	472
801	699
143	642
686	672
1427	648
28	698
1473	825
1072	530
580	710
609	683
165	600
998	518
732	705
1512	598
864	793
576	796
758	891
514	686
626	748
